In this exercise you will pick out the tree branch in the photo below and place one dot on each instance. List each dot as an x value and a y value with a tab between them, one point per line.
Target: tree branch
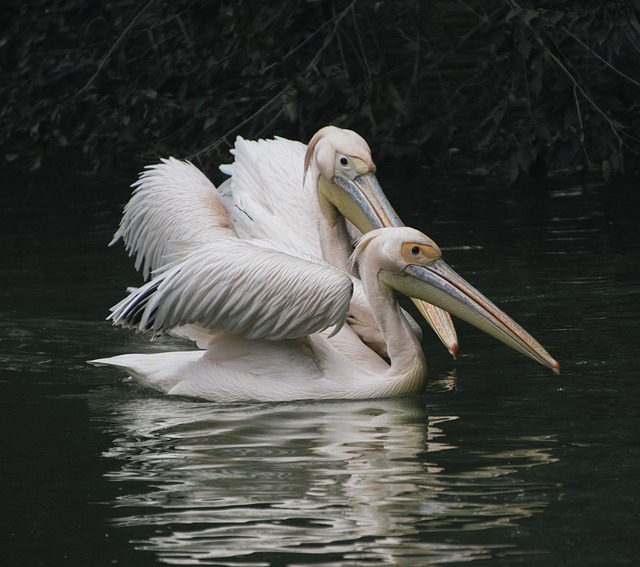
113	48
601	59
584	93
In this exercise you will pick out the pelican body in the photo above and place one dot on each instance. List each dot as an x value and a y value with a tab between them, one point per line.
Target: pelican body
260	275
293	195
299	347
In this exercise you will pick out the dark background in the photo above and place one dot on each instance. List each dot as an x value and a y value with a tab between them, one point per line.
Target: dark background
518	91
506	130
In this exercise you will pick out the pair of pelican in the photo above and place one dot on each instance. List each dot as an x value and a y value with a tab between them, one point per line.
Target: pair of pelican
262	275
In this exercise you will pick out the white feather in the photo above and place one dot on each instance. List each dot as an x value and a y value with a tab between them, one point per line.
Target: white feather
236	269
242	288
266	194
173	202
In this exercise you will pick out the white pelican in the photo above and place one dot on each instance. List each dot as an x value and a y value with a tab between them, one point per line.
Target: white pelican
279	190
266	315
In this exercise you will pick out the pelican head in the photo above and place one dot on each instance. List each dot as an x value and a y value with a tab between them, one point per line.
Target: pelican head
411	263
340	161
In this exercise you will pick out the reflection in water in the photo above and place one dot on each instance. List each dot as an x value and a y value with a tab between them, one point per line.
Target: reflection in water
373	481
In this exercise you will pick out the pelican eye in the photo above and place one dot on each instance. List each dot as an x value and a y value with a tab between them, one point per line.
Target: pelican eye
420	254
344	160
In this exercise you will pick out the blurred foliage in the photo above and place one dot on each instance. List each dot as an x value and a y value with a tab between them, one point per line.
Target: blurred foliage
502	87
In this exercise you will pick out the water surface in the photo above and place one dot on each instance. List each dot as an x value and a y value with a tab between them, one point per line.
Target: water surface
498	462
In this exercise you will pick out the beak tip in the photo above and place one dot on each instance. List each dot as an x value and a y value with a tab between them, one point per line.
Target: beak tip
556	370
454	350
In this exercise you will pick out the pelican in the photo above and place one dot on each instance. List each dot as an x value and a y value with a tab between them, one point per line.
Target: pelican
274	321
280	190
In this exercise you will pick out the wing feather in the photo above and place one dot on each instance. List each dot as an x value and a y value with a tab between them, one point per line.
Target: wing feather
173	202
267	194
240	287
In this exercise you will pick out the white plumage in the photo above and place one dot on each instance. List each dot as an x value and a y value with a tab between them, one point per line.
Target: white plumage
239	270
244	287
172	203
273	344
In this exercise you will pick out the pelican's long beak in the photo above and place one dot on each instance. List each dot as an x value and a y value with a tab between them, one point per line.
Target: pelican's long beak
369	207
437	283
365	205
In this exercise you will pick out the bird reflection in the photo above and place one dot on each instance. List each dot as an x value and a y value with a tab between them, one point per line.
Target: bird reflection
364	479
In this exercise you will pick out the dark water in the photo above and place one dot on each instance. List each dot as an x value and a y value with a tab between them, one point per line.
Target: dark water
500	462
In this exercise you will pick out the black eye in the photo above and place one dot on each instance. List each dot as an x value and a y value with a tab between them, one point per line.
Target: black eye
415	250
344	161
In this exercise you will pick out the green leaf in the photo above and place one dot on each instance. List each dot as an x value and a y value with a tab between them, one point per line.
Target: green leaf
524	47
606	170
542	131
524	157
617	125
290	108
554	15
513	13
396	100
209	122
149	94
514	170
634	22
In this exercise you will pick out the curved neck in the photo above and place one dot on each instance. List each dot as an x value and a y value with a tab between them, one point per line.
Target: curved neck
335	240
408	369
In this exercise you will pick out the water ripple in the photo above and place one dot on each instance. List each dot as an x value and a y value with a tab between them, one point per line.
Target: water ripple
372	482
